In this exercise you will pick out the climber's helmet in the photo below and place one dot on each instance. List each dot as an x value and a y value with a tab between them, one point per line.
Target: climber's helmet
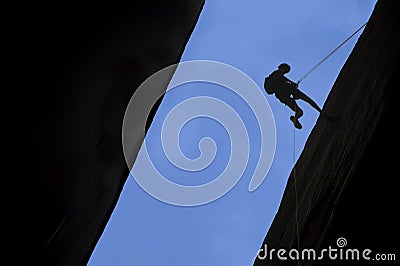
285	68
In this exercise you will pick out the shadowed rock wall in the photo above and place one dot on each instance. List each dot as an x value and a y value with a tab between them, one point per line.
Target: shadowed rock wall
79	64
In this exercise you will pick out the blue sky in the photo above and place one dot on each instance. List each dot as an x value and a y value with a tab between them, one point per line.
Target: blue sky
255	37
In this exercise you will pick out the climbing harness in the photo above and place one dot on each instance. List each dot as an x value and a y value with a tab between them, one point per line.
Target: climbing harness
330	54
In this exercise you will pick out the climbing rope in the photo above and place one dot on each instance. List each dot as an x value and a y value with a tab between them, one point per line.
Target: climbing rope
330	54
295	187
294	131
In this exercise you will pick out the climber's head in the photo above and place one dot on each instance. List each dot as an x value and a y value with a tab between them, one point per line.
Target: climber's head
285	68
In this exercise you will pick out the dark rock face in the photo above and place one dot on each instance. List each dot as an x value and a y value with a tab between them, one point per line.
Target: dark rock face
79	65
347	174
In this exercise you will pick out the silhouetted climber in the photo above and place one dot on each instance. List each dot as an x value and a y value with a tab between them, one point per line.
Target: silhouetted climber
287	92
